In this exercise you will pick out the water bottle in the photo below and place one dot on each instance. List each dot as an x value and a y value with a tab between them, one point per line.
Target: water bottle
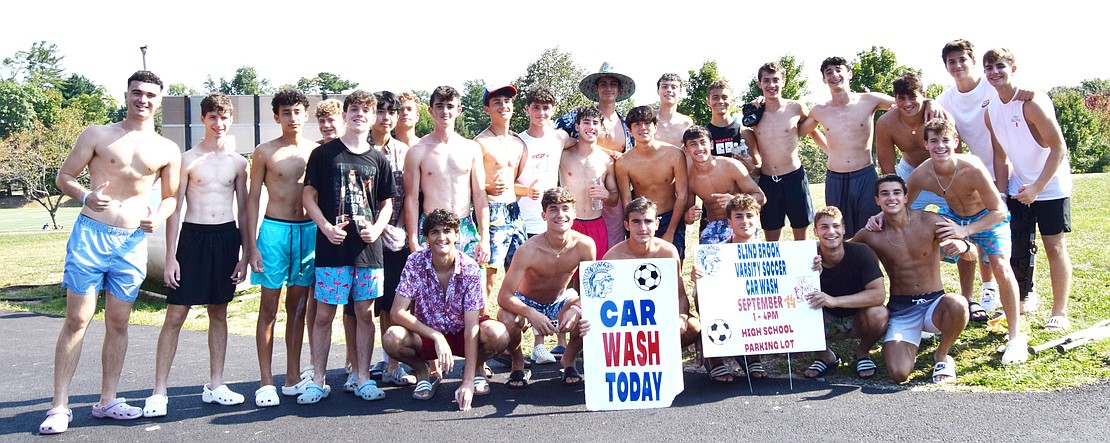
743	149
596	203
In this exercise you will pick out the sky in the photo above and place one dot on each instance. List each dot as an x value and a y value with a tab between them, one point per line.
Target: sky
414	44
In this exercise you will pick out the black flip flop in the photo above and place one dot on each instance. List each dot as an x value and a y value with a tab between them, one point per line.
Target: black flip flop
569	372
976	313
520	377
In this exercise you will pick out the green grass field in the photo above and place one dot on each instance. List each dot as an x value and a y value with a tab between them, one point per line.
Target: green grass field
31	270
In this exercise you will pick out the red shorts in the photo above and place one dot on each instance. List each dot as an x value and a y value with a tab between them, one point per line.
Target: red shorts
596	230
458	345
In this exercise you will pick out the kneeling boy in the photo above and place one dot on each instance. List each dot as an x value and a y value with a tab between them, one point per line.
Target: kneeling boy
444	288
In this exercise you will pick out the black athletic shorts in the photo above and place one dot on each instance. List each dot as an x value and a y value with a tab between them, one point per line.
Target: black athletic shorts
787	197
207	255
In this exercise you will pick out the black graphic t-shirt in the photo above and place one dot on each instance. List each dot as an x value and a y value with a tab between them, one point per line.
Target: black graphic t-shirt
725	141
350	188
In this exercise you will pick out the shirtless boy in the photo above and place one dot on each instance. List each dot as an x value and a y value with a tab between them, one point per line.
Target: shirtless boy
1039	189
977	211
587	172
909	246
447	170
541	172
503	157
641	221
348	192
535	291
124	160
407	117
282	252
656	171
901	128
606	87
775	154
715	180
438	327
672	124
204	266
848	119
329	115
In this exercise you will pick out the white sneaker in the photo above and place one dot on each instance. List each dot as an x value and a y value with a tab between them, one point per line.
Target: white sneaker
541	356
1017	351
989	299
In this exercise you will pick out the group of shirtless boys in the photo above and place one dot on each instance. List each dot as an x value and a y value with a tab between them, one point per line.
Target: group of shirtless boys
392	225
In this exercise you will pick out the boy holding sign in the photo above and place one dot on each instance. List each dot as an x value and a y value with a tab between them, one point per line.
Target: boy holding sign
641	221
851	295
535	290
444	288
742	213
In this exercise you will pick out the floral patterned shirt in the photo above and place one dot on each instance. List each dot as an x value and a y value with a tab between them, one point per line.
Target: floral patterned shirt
442	310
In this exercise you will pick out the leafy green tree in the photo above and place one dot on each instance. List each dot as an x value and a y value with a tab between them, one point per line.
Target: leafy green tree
23	104
473	118
325	83
39	66
874	70
1083	131
796	84
933	90
697	90
94	100
557	71
180	90
33	155
245	82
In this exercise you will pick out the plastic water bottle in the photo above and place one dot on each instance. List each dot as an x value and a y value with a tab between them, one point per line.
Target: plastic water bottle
742	150
596	203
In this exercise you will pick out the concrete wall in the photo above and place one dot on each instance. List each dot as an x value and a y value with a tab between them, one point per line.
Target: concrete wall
251	124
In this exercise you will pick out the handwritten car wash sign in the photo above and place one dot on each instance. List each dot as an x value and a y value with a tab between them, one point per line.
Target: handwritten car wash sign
633	358
753	300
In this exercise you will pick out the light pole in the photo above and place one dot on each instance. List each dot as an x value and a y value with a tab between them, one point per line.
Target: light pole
143	48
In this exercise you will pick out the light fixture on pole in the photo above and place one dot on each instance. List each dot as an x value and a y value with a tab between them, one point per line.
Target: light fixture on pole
143	48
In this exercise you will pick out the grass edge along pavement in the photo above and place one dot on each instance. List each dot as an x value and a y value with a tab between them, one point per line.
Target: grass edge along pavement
35	259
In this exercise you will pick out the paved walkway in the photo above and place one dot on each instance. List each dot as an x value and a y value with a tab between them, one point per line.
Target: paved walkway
843	410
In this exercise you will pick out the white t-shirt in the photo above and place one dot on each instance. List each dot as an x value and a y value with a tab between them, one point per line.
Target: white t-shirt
543	165
1026	155
967	110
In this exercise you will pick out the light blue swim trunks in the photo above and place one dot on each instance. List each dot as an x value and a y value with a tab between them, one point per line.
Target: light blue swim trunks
288	251
993	241
100	256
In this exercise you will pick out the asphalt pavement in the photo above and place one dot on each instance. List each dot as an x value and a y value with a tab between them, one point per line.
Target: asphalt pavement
840	408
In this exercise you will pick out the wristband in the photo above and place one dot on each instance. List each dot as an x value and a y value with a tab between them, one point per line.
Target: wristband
968	245
85	197
578	308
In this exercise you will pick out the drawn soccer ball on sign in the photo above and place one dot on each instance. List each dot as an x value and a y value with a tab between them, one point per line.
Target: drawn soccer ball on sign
719	332
647	277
